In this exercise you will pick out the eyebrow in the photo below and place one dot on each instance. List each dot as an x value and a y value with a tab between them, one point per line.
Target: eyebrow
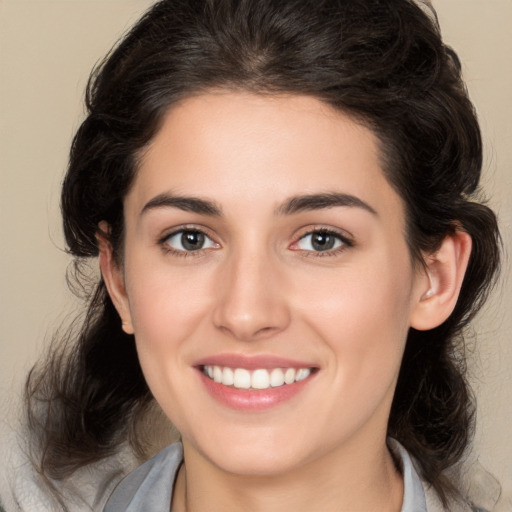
303	203
187	204
293	205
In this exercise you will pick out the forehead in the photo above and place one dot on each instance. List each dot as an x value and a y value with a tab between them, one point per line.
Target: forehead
249	148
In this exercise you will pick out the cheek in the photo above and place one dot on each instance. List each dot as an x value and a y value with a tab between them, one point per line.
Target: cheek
362	320
168	308
363	315
164	302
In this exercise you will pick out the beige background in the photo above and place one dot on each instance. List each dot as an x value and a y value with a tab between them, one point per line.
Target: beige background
47	48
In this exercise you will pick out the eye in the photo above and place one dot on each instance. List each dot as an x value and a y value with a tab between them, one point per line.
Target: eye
188	240
320	241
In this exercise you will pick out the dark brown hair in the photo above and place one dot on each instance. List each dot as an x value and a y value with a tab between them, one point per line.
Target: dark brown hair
382	62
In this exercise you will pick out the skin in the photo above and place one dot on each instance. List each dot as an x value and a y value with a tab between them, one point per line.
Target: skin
258	287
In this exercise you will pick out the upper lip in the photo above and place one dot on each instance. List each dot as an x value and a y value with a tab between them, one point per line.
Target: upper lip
252	362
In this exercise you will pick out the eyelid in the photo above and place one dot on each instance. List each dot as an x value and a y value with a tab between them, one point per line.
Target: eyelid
343	236
347	240
163	240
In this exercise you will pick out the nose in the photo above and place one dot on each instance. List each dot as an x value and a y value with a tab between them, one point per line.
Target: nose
251	302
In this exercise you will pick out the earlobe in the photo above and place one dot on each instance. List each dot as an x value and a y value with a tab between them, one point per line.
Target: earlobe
441	282
113	277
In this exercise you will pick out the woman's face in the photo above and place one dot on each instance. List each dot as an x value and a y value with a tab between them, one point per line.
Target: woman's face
265	247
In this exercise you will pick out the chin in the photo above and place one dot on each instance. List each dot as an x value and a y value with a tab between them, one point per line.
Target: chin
256	454
257	464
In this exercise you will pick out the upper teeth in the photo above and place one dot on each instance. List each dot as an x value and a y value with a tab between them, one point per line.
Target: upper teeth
257	379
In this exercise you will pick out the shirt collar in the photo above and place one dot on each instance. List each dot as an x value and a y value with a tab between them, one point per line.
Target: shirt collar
147	488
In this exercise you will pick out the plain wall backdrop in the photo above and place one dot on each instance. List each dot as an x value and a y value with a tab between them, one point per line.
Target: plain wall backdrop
48	47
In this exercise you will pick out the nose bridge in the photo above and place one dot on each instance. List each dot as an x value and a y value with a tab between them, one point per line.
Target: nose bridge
251	303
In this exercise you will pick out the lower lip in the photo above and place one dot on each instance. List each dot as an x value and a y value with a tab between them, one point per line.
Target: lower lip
253	400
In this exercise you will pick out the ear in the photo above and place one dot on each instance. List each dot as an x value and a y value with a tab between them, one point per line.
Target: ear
439	284
113	277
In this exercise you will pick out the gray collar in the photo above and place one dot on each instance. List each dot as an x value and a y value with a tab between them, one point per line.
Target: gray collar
147	488
414	496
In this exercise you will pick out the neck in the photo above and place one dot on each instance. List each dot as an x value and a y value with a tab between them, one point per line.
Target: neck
356	479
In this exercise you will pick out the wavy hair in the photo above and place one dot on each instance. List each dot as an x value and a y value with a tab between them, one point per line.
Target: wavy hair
382	62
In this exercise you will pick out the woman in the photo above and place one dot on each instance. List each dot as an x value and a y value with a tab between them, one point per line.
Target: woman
281	195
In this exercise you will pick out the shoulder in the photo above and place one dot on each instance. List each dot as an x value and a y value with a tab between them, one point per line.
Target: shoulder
434	504
149	487
418	493
419	496
22	487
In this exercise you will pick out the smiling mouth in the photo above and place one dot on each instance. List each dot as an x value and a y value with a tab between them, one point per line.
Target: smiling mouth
261	378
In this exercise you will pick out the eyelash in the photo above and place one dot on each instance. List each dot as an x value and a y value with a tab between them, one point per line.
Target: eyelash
343	239
168	249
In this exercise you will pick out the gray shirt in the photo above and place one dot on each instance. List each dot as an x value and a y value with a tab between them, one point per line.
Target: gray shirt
150	486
